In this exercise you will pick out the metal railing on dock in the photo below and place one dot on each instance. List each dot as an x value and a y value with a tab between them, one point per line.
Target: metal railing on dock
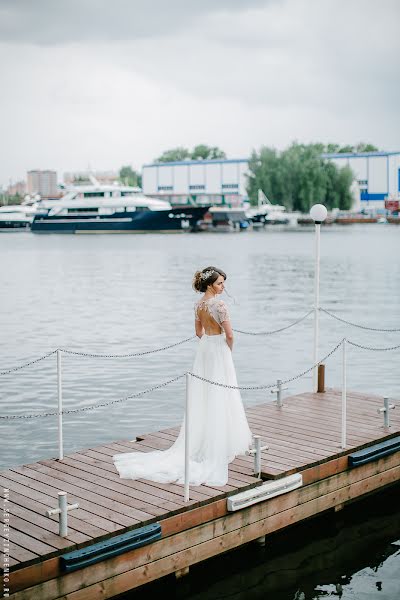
276	387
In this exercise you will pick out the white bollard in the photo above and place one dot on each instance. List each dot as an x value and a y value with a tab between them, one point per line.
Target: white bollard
187	475
60	417
344	396
62	512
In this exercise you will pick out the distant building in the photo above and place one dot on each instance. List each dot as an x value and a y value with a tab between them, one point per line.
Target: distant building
377	176
219	181
376	173
83	177
16	189
43	183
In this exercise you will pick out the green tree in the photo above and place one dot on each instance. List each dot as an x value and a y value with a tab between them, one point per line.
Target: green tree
345	149
174	155
129	176
299	177
363	147
207	152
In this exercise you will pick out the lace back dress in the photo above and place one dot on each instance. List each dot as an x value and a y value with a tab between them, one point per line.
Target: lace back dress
218	428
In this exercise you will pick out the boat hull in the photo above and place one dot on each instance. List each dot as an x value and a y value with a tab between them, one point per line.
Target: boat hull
11	225
180	219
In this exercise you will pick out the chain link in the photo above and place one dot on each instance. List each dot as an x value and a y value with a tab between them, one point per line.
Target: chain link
372	348
93	355
275	330
267	386
316	365
94	406
356	324
217	383
28	364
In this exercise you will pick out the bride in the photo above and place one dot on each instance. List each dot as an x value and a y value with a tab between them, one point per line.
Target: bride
217	422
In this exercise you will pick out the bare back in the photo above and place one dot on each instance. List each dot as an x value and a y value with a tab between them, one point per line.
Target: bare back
211	313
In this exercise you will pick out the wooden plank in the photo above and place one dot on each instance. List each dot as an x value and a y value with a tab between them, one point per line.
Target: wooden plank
22	519
117	576
29	543
149	504
88	462
85	492
18	554
49	501
106	513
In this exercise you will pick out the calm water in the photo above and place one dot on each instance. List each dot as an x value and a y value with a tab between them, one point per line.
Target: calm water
120	294
351	555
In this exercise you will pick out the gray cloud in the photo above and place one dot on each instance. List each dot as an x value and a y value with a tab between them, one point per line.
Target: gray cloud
50	22
109	83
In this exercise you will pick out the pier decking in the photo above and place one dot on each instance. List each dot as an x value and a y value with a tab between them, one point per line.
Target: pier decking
303	437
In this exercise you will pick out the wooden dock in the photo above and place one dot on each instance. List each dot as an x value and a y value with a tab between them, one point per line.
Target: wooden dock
303	437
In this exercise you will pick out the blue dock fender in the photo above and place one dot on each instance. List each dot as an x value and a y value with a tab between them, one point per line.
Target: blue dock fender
78	559
374	452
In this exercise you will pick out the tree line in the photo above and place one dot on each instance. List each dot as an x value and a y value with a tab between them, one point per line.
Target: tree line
299	177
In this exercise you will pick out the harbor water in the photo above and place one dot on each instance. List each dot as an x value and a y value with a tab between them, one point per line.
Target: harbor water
114	294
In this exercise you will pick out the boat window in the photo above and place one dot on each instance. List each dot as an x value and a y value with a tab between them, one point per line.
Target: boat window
93	194
142	208
83	210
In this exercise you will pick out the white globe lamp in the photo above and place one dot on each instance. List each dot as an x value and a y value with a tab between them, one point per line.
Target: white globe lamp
318	213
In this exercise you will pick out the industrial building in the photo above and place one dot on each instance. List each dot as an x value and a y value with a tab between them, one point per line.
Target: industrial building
377	177
219	181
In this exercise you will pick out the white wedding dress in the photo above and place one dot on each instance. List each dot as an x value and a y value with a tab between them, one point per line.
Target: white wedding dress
218	428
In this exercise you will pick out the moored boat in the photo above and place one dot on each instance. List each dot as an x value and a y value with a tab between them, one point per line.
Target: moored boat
16	217
113	209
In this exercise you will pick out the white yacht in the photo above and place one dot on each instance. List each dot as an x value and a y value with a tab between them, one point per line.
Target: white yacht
17	216
99	208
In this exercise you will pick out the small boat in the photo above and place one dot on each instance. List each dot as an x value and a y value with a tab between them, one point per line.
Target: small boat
16	217
266	213
307	220
99	208
225	219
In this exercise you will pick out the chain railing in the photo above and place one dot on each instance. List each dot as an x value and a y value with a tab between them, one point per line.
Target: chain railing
28	364
327	312
94	406
275	330
169	346
188	375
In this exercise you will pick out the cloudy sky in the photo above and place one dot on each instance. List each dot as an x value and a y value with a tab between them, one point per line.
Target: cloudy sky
102	83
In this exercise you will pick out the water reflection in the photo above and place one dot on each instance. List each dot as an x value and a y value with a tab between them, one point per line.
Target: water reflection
352	555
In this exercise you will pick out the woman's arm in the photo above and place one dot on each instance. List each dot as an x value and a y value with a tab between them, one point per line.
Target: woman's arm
227	327
198	328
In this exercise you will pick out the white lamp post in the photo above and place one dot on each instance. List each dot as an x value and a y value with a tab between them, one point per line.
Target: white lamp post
318	212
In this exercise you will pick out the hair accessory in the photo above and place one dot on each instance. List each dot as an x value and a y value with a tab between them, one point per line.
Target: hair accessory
206	274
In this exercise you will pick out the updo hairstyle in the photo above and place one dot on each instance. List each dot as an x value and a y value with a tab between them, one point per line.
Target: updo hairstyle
200	284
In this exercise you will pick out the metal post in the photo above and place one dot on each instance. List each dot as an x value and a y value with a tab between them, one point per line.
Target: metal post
321	378
316	304
62	512
62	503
386	413
187	439
279	394
344	395
257	455
60	419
